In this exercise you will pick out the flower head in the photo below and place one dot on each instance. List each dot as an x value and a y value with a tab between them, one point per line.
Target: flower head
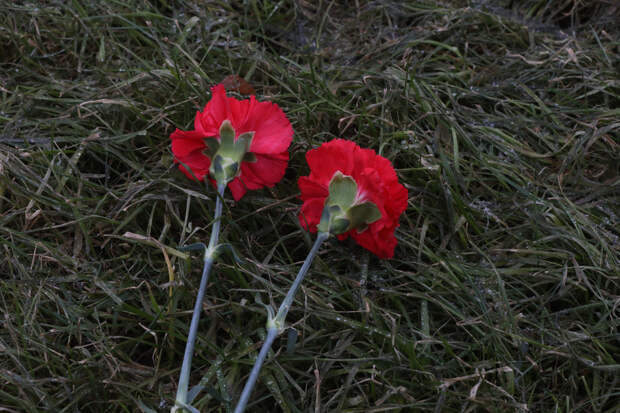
352	192
243	143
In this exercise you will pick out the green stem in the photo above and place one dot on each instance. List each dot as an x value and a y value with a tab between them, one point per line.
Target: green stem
272	333
193	328
276	325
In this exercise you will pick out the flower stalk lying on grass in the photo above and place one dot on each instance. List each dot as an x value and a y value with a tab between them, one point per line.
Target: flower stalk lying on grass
350	192
239	144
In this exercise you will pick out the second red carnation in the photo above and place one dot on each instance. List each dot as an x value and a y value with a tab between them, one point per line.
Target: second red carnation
376	183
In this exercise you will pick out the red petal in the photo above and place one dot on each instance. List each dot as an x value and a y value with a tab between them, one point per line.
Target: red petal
214	113
311	189
249	179
185	142
398	197
197	162
369	183
237	189
238	112
382	244
203	127
217	107
273	131
336	155
266	171
310	214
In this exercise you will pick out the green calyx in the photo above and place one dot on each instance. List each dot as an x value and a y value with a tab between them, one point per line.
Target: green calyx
343	211
227	153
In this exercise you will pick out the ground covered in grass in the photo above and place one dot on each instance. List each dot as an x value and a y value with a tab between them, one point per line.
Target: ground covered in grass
501	118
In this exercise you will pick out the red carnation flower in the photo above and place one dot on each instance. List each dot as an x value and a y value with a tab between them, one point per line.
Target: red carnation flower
334	166
262	135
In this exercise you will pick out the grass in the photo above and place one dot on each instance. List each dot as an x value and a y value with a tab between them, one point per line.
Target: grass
501	119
